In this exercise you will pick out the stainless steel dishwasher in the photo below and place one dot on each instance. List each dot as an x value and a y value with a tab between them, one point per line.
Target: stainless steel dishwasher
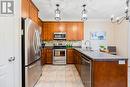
86	71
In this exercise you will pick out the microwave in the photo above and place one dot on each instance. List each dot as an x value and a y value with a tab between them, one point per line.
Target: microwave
60	36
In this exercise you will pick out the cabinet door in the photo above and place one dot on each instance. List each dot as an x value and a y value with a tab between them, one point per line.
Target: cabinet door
25	8
59	27
56	26
80	31
109	74
47	31
33	12
43	58
70	56
49	56
39	22
75	31
71	31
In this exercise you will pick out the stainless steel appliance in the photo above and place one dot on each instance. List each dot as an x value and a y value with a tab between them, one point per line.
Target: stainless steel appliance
31	53
86	71
59	55
60	36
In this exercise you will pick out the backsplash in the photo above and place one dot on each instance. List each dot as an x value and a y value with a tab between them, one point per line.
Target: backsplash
73	43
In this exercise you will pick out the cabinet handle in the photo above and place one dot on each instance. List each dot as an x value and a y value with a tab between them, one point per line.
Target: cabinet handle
86	59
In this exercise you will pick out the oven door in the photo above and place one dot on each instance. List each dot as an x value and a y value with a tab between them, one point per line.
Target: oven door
59	56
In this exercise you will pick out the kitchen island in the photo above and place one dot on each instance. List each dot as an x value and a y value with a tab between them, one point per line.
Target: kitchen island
98	69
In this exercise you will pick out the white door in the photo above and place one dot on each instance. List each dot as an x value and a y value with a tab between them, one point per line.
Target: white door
6	52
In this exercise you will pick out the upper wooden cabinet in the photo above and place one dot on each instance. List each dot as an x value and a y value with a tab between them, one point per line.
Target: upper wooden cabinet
47	31
33	12
40	22
74	30
29	10
25	8
60	27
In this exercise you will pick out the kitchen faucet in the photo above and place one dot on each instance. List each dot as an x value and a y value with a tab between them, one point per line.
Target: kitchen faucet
89	45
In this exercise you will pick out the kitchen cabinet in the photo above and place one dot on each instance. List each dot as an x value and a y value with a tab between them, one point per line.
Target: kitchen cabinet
29	10
43	56
70	56
80	31
47	31
74	30
40	23
77	61
101	73
47	56
33	12
59	27
25	8
109	74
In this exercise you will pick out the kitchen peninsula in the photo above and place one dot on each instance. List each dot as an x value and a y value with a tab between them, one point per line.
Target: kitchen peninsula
98	69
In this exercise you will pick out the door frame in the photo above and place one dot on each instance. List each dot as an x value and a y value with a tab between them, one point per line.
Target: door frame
129	44
17	48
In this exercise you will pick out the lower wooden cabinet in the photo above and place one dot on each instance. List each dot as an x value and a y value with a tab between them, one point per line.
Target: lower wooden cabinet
43	56
77	61
47	56
104	73
109	74
70	56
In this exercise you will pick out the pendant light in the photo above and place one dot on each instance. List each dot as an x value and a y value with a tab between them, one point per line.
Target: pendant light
119	20
84	13
57	13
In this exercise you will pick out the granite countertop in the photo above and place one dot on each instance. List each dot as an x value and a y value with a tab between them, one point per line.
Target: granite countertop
66	47
94	55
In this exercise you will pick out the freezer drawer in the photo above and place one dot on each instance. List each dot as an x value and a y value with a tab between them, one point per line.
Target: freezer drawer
33	73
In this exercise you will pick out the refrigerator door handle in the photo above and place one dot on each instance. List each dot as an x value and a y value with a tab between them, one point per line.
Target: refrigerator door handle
35	42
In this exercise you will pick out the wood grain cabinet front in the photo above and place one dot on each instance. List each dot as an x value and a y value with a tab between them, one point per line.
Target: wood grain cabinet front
74	30
33	12
109	74
104	73
70	56
47	56
47	31
25	8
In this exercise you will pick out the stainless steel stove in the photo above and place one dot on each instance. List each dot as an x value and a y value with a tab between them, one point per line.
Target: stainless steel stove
59	55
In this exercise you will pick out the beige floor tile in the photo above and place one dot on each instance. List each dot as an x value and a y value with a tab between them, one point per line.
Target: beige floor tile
59	76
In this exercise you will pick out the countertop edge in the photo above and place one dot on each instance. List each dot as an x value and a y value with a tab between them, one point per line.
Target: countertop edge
108	58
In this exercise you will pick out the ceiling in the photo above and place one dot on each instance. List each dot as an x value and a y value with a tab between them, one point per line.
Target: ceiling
71	9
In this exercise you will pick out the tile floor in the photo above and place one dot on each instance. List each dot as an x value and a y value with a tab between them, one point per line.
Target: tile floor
60	76
63	76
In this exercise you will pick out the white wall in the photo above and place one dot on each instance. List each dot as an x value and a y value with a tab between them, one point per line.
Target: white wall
121	38
95	26
116	34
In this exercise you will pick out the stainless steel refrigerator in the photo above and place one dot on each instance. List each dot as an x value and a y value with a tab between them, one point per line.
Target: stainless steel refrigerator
31	53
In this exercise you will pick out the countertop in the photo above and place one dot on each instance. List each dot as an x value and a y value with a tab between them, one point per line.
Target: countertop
66	47
94	55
